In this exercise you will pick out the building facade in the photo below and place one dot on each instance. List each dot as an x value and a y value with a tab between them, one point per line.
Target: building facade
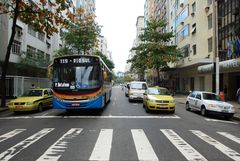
27	43
204	30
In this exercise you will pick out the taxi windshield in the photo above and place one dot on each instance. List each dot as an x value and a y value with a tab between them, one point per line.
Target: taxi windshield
156	91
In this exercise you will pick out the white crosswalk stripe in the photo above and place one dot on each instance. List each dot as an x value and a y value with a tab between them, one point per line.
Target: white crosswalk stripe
230	136
224	149
10	134
143	146
8	154
187	150
59	147
103	146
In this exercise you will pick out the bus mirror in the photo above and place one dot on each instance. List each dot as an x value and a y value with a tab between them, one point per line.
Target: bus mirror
104	75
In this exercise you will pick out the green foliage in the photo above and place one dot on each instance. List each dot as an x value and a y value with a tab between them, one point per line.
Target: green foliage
33	60
153	51
127	78
81	37
107	61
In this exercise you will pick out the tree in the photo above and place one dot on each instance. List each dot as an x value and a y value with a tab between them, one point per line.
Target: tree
107	61
39	15
81	37
153	52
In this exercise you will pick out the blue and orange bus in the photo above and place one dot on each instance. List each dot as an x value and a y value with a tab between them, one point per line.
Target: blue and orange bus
80	82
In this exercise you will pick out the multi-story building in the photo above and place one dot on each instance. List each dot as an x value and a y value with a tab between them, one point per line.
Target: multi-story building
139	31
203	34
27	42
228	51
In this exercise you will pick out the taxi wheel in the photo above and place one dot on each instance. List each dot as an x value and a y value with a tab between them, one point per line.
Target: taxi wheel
40	107
147	109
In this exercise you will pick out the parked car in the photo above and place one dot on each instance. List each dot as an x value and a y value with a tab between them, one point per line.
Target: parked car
32	99
158	99
208	102
126	89
136	90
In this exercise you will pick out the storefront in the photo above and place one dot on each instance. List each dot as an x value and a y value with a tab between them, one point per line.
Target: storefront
229	76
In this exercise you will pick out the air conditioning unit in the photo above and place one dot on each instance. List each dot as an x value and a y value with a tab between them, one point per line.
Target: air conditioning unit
207	9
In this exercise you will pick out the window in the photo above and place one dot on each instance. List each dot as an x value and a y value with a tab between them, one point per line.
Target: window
210	21
193	28
185	51
194	7
182	34
198	96
31	51
16	47
194	49
31	31
210	44
40	54
41	36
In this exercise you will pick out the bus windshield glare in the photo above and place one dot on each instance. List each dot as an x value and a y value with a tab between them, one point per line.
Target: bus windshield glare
77	77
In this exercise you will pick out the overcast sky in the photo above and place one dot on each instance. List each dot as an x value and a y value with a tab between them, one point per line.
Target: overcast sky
118	18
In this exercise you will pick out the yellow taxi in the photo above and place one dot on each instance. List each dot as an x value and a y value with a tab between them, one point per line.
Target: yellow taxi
158	99
32	99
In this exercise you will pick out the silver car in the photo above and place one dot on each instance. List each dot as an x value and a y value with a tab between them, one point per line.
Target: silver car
208	102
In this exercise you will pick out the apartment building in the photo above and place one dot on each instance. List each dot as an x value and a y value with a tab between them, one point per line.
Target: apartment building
203	31
27	43
139	31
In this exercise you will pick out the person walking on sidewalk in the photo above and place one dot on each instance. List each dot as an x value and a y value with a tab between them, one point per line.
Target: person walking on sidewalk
238	95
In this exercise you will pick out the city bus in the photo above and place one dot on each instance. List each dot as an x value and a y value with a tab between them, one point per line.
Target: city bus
80	82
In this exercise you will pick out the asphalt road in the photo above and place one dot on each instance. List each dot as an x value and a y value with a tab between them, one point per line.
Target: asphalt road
123	131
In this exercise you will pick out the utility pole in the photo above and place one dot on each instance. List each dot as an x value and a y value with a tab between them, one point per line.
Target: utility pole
215	35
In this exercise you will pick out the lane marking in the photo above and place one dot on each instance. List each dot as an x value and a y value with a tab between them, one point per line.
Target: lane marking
143	146
223	121
11	152
103	145
55	151
10	134
93	117
224	149
187	150
230	136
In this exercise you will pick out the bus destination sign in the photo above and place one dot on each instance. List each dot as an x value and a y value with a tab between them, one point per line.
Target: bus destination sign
76	60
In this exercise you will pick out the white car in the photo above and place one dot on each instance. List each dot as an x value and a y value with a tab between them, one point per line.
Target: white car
208	102
136	90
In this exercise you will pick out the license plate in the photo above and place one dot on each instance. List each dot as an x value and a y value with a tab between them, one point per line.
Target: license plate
18	107
75	104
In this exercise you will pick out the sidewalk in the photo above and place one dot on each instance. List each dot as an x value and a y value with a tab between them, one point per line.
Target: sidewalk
182	99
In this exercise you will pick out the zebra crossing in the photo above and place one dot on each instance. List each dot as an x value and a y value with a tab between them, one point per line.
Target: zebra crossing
105	140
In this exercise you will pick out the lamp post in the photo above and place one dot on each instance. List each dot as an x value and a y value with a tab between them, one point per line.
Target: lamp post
216	56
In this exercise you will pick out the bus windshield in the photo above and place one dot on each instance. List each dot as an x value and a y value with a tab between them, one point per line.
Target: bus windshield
77	77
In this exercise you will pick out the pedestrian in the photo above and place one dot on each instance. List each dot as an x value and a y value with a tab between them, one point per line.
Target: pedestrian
33	86
225	92
238	95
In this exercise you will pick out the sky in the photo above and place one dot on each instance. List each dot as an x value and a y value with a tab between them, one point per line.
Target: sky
118	20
